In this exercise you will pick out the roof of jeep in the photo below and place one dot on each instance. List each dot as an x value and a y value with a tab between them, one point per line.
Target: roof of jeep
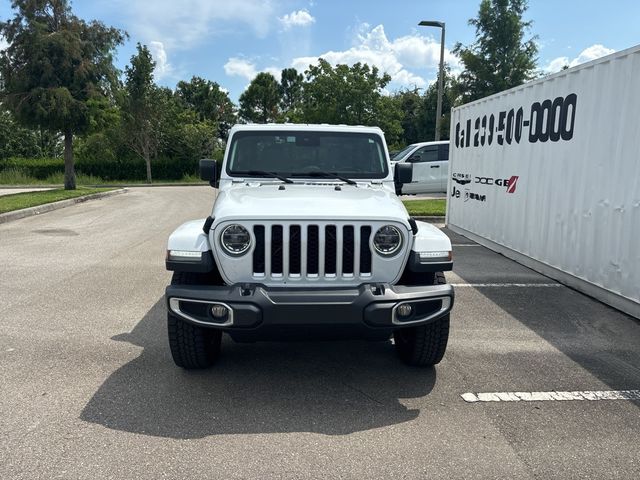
323	127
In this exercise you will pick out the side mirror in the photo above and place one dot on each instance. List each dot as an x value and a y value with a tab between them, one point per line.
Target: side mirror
209	171
403	173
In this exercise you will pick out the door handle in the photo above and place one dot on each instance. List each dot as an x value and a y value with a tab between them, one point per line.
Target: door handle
435	166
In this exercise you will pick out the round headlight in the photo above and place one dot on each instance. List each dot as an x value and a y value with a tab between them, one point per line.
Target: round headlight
387	240
235	239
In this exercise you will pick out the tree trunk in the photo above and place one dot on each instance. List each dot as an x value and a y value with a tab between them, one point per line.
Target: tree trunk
147	160
69	171
42	153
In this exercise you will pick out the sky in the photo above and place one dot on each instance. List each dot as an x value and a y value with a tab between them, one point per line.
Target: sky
230	41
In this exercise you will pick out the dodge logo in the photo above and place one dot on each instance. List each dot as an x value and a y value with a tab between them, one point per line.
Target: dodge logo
510	183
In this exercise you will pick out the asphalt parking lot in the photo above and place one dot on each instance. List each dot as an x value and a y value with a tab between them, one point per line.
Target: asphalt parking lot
88	389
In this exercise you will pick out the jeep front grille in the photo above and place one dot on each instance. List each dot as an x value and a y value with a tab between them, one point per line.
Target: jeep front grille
312	251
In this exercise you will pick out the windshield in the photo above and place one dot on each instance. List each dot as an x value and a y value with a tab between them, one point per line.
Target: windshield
348	154
403	152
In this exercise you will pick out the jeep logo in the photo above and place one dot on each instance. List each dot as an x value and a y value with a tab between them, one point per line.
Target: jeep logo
468	195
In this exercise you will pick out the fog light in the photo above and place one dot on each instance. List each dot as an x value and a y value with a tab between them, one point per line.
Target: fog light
405	310
219	311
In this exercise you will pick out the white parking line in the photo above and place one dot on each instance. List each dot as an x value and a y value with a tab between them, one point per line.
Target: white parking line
520	285
590	395
466	245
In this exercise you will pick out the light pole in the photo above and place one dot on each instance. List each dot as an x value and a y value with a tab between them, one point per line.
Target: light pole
429	23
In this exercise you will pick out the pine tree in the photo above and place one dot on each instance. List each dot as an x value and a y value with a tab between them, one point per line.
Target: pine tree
499	58
58	70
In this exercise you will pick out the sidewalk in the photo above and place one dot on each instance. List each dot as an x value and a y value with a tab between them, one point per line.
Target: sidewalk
11	191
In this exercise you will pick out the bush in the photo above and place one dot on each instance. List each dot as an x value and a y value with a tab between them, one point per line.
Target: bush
39	168
126	167
81	179
129	168
15	176
118	169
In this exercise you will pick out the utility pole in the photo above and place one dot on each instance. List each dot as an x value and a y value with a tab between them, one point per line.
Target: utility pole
429	23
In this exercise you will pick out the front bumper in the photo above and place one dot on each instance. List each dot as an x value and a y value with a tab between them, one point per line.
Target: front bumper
257	312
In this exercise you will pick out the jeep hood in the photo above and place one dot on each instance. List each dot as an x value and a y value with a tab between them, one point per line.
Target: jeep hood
300	201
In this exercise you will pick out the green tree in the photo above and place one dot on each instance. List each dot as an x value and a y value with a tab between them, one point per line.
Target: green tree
351	95
427	114
291	93
411	104
185	135
16	141
141	108
342	94
209	101
389	119
56	63
259	102
499	58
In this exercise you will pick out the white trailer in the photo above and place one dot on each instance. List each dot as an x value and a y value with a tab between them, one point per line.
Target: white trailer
548	173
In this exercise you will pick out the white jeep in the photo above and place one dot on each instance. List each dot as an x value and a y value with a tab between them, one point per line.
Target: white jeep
307	240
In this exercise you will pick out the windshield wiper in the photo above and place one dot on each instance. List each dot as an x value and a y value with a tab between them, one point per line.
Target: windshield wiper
318	173
263	173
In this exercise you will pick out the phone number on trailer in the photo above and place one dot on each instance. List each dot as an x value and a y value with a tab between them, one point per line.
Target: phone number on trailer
550	120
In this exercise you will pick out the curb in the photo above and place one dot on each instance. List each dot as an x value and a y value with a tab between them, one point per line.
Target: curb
431	219
49	207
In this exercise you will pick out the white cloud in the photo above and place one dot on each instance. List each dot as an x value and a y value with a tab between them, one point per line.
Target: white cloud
414	51
188	23
395	57
556	64
3	43
400	58
590	53
275	71
300	18
238	67
163	67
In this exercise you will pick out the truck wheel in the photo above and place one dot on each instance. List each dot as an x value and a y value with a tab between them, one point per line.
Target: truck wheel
192	346
424	345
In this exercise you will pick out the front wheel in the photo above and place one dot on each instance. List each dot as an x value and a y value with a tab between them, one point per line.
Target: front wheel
424	345
192	347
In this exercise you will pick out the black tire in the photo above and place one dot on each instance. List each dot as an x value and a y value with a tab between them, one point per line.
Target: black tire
192	347
424	345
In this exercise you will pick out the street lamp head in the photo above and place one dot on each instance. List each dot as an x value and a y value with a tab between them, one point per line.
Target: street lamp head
430	23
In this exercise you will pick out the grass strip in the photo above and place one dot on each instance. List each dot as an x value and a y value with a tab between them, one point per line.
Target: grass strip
18	201
426	208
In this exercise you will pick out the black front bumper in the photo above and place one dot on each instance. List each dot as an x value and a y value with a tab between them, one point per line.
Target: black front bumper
261	313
